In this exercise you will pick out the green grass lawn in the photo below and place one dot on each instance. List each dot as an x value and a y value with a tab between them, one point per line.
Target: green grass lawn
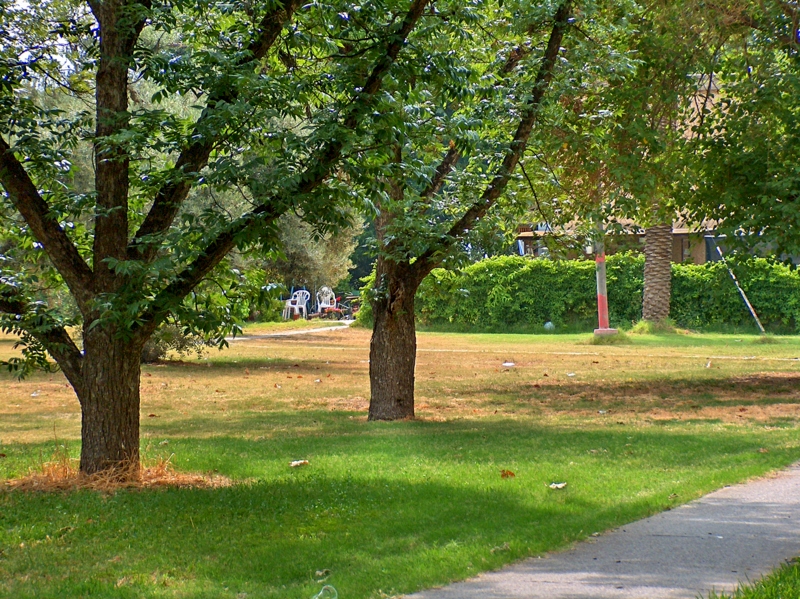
784	583
389	508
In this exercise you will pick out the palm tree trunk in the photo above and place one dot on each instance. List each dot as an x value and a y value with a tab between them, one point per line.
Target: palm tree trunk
657	273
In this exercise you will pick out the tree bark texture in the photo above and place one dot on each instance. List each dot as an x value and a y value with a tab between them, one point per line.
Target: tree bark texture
393	349
657	273
109	398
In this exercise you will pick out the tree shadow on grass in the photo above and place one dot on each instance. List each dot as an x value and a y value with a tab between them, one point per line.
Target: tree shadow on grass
745	390
394	507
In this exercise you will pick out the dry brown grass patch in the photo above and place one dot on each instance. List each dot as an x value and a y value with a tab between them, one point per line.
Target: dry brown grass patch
61	474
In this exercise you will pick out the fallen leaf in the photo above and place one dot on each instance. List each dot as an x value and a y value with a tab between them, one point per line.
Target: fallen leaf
557	485
2	455
507	474
760	450
277	386
152	416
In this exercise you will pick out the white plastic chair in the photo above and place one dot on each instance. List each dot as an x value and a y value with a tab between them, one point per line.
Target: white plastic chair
296	305
326	300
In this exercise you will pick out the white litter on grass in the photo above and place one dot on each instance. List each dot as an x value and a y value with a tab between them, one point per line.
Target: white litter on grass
317	380
327	592
602	411
709	364
36	393
557	485
508	364
570	374
298	463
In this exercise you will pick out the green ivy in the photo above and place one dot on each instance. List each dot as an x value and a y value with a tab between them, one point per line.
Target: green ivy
512	291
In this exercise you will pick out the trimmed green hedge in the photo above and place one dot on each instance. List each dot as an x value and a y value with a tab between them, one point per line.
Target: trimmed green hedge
510	292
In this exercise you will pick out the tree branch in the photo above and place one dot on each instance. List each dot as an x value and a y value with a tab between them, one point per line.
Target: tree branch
120	24
62	252
442	171
429	259
195	157
751	22
453	155
273	207
53	337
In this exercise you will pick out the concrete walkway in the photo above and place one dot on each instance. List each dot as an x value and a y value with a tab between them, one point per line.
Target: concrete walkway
735	534
339	327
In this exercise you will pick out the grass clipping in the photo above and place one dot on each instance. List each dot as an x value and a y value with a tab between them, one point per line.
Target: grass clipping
61	474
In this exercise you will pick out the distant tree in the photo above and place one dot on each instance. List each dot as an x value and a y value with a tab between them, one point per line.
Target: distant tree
309	259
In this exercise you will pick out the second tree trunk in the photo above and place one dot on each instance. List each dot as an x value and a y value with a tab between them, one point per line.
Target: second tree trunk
393	350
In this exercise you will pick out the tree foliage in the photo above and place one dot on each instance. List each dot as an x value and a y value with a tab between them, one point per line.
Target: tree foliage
745	167
174	103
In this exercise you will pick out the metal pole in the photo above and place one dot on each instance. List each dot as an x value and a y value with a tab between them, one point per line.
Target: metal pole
602	293
739	287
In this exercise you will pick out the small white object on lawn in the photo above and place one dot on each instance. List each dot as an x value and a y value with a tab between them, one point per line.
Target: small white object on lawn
508	364
557	485
298	463
570	374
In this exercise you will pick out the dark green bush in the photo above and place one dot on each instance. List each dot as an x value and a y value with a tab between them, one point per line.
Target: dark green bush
510	292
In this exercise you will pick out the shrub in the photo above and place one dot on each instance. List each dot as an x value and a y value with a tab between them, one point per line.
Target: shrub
512	291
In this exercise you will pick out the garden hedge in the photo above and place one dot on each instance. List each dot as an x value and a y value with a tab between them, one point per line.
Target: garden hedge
509	292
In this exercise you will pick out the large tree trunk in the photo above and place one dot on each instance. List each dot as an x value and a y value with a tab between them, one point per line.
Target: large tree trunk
393	349
109	398
657	273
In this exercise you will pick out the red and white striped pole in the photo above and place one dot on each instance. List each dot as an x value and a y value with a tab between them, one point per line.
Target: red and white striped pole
602	293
